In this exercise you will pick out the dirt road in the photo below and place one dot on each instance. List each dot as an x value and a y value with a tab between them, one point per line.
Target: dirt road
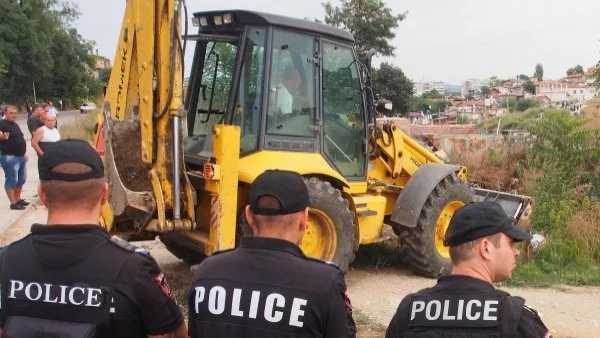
567	311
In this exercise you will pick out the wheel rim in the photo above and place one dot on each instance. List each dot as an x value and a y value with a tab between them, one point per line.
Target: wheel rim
442	226
320	238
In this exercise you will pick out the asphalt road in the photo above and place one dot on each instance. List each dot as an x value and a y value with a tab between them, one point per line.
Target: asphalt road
7	216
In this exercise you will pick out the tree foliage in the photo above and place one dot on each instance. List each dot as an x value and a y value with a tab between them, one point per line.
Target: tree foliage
575	70
371	23
390	83
37	46
529	87
485	90
539	72
432	94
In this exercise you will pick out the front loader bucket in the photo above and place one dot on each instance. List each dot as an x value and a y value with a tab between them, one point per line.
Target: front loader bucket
516	207
130	188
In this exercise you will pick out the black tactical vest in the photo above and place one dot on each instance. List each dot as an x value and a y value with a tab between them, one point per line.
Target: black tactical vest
462	314
70	301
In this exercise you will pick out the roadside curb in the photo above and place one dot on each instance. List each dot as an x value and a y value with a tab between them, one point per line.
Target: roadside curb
21	226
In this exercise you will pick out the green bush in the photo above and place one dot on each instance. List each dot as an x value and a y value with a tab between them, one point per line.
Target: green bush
563	185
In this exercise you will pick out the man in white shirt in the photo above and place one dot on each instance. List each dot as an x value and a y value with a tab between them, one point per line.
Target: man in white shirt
284	100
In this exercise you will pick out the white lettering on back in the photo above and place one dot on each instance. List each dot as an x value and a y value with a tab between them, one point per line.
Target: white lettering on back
92	295
235	303
39	292
273	300
199	297
446	316
216	300
470	315
487	309
254	304
297	312
417	306
47	296
438	310
15	285
72	295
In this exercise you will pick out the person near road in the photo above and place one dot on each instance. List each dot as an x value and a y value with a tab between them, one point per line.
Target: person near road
49	136
13	158
52	112
482	241
267	287
36	120
68	278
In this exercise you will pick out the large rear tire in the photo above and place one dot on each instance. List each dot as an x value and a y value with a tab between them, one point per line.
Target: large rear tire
423	245
330	232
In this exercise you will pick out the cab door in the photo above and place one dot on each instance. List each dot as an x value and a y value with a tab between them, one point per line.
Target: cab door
343	113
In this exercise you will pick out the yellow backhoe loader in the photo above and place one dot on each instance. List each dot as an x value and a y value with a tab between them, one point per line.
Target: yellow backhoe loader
264	92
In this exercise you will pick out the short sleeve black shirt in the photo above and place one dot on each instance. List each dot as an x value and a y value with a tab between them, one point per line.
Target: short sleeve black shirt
15	145
33	123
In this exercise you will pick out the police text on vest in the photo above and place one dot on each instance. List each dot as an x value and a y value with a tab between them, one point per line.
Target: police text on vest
472	310
275	304
57	294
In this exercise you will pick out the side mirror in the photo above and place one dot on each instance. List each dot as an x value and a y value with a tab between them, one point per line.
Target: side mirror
383	107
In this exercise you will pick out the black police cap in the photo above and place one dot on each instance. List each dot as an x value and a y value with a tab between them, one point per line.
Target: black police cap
285	186
70	151
481	219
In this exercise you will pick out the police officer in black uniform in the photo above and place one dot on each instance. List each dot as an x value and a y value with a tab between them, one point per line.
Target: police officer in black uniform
465	304
267	287
68	278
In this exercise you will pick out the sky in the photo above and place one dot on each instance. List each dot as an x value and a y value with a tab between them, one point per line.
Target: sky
440	40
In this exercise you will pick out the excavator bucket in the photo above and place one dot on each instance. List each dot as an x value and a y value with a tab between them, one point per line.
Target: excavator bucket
130	187
517	207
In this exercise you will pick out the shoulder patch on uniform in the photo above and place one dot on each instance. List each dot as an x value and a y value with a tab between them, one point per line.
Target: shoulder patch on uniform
322	261
163	285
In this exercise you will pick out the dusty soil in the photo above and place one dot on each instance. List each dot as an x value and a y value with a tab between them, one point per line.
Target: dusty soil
375	293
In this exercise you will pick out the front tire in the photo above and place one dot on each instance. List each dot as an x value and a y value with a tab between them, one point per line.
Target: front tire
423	245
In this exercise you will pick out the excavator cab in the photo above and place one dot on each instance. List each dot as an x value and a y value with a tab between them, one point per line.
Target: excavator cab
287	87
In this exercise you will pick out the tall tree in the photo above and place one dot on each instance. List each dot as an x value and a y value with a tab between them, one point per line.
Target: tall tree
575	70
390	83
371	23
539	72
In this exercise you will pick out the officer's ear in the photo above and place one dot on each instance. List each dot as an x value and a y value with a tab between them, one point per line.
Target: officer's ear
303	219
250	219
485	248
104	197
42	195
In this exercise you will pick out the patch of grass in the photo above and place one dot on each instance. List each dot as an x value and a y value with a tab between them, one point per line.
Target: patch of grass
366	327
378	255
82	127
560	261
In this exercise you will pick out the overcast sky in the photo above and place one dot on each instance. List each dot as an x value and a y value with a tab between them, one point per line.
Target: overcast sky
440	40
